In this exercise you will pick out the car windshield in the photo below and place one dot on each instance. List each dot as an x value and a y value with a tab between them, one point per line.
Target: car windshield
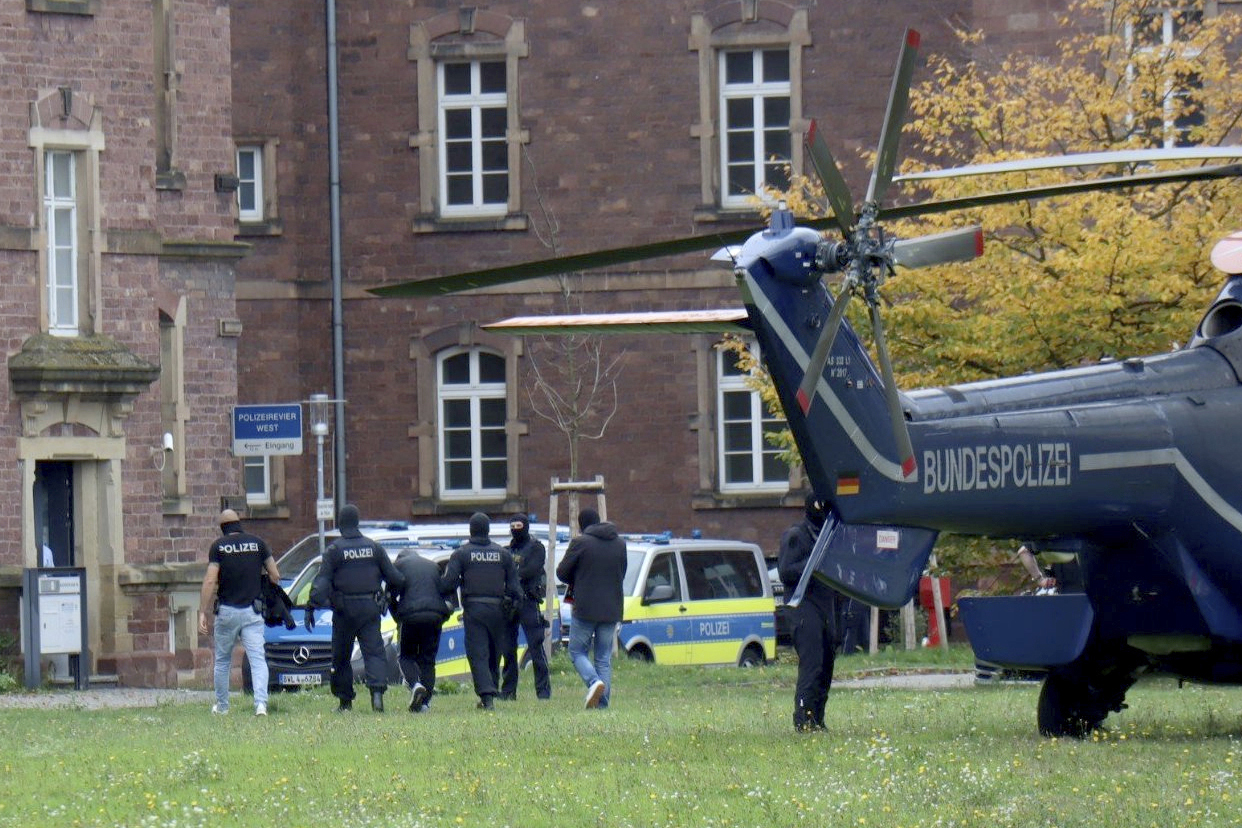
298	556
299	592
633	563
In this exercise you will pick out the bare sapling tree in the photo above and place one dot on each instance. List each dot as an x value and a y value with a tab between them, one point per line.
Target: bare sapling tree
575	380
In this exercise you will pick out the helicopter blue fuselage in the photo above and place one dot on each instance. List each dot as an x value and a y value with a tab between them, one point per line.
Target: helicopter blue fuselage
1132	465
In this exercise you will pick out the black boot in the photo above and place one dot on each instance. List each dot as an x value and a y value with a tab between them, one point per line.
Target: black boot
377	701
345	706
485	702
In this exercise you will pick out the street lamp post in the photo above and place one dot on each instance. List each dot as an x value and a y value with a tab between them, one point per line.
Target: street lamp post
320	409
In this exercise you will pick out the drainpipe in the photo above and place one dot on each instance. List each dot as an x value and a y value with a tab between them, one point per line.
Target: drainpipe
334	219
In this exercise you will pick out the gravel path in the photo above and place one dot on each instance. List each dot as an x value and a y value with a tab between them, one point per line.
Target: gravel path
117	697
104	697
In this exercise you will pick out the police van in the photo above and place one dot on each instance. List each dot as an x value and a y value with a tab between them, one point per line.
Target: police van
694	601
298	658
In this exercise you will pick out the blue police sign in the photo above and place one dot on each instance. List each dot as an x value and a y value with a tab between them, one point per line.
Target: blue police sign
267	429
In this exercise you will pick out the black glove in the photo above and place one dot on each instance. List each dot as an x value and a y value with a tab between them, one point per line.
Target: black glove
289	622
310	619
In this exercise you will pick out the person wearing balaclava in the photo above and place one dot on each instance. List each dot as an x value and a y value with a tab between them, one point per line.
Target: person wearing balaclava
529	556
812	621
486	576
352	582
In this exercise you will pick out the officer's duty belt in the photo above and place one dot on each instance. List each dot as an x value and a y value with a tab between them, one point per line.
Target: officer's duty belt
483	599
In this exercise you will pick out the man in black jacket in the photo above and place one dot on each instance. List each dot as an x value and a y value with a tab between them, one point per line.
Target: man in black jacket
594	569
351	581
421	612
812	621
486	575
529	556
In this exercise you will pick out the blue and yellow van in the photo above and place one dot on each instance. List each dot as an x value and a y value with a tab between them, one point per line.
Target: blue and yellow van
694	601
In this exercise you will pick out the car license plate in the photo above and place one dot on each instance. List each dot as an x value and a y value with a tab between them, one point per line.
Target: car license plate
301	678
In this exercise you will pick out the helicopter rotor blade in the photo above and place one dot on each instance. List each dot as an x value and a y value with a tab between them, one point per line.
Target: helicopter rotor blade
1065	188
838	192
901	434
960	245
823	346
895	115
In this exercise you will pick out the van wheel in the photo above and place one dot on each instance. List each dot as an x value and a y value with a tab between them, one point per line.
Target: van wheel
640	653
752	656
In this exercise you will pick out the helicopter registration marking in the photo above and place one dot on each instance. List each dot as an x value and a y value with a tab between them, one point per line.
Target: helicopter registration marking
1020	465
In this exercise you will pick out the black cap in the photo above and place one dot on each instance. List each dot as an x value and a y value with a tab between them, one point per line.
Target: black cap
587	517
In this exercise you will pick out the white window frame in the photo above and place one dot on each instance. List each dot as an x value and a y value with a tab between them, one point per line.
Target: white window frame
61	214
255	212
255	497
475	392
1172	135
475	102
758	91
759	420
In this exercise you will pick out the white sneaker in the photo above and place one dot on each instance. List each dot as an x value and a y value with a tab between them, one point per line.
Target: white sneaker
418	697
219	711
260	710
594	693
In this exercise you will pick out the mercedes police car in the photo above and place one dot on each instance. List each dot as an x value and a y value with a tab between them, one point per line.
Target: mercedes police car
298	658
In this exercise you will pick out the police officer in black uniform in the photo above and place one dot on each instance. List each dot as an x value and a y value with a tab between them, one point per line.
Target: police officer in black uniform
351	581
486	576
529	556
812	621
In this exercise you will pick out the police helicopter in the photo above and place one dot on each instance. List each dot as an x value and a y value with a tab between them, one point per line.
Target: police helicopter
1131	465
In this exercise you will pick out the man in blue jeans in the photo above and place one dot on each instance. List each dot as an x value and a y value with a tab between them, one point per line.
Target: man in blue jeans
236	563
594	570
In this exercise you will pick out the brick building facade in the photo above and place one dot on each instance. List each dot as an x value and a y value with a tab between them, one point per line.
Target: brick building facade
610	137
118	256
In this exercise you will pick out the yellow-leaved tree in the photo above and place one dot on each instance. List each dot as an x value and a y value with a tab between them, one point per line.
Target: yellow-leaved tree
1069	280
1062	281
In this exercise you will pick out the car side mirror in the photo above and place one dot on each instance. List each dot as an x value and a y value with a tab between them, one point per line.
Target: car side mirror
661	592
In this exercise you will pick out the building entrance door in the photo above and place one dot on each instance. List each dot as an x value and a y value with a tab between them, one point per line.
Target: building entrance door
53	512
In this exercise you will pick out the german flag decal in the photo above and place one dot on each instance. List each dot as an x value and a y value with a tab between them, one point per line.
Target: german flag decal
847	484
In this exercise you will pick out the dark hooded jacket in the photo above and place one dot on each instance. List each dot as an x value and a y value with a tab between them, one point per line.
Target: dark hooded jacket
594	568
420	598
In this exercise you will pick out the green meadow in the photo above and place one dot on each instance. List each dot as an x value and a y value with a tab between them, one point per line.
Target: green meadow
679	747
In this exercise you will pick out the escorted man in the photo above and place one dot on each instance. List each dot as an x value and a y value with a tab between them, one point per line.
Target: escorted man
594	570
351	581
485	573
812	621
529	556
233	585
421	611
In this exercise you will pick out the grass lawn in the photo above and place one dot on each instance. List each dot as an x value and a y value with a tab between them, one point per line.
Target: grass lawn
680	747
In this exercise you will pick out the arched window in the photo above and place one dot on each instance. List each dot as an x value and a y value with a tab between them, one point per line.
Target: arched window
470	390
